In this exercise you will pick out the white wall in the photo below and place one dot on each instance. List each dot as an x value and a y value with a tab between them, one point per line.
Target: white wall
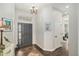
78	27
48	17
73	30
45	39
55	19
8	10
58	29
39	31
34	18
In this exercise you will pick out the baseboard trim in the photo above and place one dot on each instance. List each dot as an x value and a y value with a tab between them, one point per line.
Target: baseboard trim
44	52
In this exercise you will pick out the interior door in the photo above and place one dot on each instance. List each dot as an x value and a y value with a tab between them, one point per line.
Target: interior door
25	34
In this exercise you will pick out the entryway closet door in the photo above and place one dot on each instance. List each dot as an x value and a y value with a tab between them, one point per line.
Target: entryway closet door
25	33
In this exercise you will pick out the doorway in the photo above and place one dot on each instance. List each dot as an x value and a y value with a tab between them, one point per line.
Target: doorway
24	34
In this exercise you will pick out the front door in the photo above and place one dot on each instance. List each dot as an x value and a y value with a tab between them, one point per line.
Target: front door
24	34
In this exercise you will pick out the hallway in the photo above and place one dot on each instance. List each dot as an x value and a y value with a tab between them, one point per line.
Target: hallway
50	28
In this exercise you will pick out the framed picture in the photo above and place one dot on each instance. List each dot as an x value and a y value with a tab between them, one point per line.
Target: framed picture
1	22
6	23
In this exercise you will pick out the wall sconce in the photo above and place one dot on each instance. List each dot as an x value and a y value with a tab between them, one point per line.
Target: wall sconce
33	10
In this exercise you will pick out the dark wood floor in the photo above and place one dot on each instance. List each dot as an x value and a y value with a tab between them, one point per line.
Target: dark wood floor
35	50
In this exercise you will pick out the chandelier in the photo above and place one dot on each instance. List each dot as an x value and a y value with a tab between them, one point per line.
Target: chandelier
33	10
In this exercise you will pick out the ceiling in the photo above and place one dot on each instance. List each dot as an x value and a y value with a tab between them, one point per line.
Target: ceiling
59	6
62	6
